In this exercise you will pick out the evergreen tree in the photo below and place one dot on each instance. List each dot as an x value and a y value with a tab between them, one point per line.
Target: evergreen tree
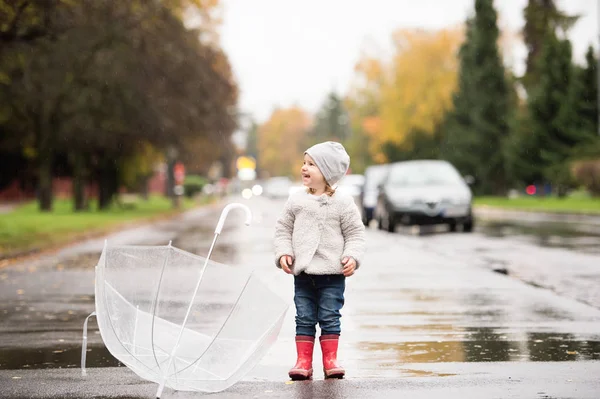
541	18
252	140
479	124
252	143
523	150
459	144
332	121
587	94
552	108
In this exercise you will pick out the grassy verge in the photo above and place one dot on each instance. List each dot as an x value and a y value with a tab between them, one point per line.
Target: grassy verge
539	204
27	229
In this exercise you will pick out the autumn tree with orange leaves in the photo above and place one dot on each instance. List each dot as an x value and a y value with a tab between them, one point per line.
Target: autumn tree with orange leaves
281	141
397	105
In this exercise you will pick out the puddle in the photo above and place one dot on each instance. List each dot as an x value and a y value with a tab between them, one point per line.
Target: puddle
424	373
198	240
478	346
56	357
538	347
556	235
87	261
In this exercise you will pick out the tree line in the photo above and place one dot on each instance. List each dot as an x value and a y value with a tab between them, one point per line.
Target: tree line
100	90
448	94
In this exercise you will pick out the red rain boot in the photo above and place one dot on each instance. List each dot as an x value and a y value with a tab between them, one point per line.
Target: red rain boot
329	347
303	368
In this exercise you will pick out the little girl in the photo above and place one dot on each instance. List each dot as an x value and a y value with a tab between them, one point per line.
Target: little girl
319	238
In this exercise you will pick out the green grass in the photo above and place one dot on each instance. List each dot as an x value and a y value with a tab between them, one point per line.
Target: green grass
26	228
540	204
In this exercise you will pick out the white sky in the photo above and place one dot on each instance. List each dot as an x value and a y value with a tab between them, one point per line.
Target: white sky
287	52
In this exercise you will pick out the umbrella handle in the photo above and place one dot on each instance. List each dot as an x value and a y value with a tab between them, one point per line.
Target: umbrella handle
226	211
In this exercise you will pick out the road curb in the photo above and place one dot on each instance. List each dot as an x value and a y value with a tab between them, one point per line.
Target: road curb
559	217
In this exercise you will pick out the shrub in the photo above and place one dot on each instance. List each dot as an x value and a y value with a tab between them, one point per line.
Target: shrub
193	185
587	173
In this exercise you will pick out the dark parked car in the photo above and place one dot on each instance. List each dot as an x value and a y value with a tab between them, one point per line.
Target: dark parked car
424	192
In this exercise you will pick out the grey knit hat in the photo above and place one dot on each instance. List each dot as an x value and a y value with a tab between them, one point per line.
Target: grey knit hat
332	160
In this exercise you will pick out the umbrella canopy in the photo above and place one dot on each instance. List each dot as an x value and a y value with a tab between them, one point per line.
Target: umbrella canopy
181	320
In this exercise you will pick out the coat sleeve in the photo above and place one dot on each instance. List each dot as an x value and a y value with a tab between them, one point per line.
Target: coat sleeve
353	231
283	233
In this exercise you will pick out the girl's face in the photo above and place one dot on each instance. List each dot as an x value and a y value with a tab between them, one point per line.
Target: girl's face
311	175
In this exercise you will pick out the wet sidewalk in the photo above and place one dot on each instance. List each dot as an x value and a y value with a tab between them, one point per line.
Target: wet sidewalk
445	380
421	316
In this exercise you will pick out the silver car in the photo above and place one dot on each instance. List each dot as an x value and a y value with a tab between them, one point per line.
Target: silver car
424	192
278	187
352	185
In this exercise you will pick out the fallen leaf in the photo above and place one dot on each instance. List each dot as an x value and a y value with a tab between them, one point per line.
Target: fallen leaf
16	378
20	292
289	382
572	352
58	351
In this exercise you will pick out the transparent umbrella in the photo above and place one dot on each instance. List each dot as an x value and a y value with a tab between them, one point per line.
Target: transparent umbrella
181	320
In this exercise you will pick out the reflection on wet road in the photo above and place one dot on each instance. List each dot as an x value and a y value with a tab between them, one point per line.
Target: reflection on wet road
417	299
581	238
485	345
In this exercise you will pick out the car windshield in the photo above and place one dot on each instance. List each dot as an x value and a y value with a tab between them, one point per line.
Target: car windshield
374	176
424	174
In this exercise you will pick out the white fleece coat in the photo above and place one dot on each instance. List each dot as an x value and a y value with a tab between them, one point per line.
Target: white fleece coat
318	232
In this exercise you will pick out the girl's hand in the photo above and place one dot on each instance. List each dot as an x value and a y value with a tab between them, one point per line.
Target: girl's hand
349	266
286	262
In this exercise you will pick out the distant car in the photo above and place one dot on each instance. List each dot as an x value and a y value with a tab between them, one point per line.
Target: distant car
277	187
374	176
352	185
295	188
424	192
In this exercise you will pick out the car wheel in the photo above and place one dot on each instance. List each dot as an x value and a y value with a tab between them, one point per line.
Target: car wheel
452	226
468	226
391	224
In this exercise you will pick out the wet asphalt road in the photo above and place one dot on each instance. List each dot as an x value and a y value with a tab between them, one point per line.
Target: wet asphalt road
515	305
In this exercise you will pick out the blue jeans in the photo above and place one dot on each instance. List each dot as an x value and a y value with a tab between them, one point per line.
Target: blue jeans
318	299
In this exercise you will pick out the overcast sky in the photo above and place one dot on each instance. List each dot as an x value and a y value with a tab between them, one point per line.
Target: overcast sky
287	52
